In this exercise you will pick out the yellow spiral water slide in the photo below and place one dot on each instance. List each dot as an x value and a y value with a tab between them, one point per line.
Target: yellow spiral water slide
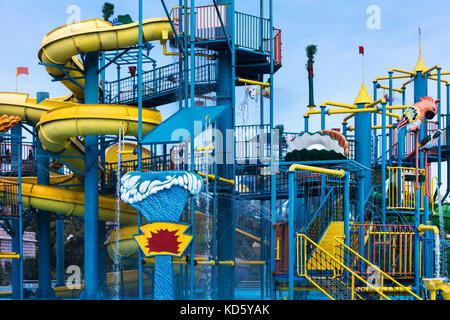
60	122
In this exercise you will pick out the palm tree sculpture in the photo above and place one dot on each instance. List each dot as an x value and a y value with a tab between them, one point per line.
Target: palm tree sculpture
311	51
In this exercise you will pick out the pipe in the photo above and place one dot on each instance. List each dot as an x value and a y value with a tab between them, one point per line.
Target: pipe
431	69
179	54
394	77
402	71
339	173
382	100
393	89
248	81
422	228
213	177
337	104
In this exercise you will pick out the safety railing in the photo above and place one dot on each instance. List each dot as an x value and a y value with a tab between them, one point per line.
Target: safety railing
8	159
252	144
156	82
390	247
251	32
208	24
410	138
329	210
330	275
373	272
402	188
8	199
154	163
281	246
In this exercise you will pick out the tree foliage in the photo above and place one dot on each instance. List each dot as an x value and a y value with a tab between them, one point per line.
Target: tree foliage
107	10
311	51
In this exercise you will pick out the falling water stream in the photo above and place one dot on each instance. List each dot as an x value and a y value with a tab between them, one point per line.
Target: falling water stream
116	265
437	238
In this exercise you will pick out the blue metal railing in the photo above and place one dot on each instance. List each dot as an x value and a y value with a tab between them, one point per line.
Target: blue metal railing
155	83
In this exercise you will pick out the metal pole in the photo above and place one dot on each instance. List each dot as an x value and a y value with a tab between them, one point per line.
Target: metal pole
44	263
139	67
291	220
91	236
383	164
192	165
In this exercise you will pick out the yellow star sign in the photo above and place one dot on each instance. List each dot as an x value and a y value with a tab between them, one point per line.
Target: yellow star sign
163	238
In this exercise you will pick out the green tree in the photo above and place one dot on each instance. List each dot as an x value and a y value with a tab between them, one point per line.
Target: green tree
311	51
107	10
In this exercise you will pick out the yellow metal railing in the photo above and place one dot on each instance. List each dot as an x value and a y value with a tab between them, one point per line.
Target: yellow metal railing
356	258
335	266
9	255
402	188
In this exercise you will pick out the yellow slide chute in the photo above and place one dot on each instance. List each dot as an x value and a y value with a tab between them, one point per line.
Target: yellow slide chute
60	46
60	121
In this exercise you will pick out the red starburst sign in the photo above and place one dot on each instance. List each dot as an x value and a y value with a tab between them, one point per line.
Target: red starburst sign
163	238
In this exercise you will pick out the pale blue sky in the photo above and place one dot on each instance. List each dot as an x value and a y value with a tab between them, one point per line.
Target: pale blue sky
336	27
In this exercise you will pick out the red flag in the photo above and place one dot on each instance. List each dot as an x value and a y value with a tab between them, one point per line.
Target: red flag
361	50
21	70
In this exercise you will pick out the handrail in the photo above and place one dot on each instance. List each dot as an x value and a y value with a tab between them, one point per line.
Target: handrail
339	263
402	71
337	104
339	173
382	273
382	100
431	69
319	209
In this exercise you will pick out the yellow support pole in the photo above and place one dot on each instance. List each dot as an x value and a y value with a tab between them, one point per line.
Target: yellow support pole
382	100
348	118
442	80
9	255
402	71
259	83
251	262
213	177
393	89
294	167
393	77
229	263
431	69
407	82
337	104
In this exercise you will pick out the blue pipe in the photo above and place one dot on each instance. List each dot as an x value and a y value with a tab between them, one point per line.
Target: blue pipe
17	240
291	188
139	67
383	163
91	236
44	266
191	129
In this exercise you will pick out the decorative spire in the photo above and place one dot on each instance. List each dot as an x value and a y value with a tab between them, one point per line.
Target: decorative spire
363	96
420	64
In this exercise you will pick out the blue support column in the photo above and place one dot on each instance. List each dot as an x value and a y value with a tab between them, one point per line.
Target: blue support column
91	176
383	163
347	208
420	91
291	235
43	220
363	149
273	220
322	117
16	224
60	270
139	66
225	211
